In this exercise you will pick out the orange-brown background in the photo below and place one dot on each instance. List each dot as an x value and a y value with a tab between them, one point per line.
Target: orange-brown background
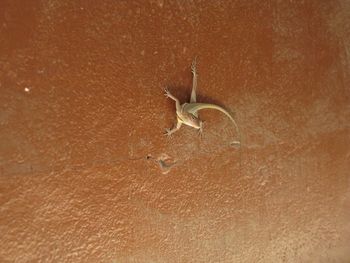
82	117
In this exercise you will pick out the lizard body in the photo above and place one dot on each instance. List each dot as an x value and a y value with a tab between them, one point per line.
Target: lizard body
187	113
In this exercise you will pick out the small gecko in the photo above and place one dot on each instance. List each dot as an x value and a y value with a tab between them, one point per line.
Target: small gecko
187	113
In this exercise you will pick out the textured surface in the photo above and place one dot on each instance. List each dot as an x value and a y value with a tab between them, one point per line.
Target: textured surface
87	176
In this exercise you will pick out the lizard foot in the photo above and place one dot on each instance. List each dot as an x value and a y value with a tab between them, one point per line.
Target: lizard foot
168	133
200	130
167	92
194	66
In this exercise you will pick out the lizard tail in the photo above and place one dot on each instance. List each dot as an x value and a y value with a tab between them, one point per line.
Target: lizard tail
195	107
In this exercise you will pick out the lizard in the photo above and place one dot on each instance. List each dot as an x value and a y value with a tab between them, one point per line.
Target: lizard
187	113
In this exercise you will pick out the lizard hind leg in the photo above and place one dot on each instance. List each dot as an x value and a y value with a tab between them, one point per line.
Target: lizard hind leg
200	130
194	82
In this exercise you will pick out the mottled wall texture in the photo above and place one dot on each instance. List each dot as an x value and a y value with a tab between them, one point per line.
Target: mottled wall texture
87	175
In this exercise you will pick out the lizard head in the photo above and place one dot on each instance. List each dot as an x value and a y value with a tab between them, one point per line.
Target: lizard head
193	121
190	120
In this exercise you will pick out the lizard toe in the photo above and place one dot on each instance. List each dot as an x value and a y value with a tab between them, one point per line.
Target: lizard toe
167	132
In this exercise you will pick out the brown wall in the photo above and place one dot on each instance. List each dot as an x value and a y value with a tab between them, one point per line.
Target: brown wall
86	174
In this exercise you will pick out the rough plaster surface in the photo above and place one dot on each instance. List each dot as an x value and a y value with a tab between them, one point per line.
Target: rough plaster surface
87	176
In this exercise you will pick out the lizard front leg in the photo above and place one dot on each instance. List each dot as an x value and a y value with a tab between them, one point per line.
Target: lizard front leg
169	95
169	132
